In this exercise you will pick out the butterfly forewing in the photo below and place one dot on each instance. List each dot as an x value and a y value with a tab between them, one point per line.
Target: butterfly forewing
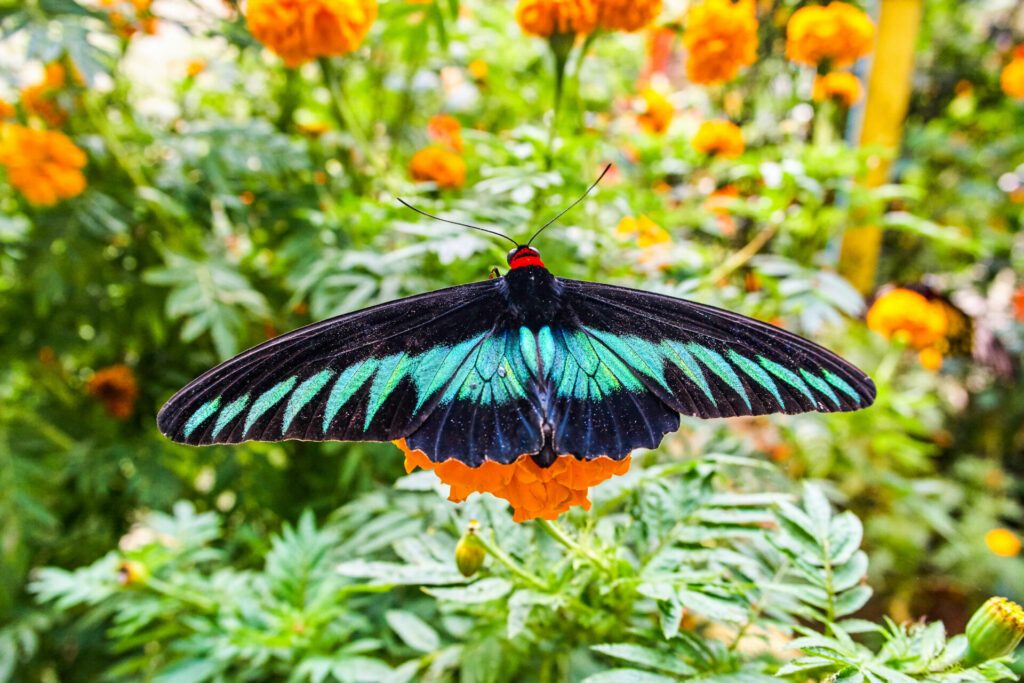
370	375
707	362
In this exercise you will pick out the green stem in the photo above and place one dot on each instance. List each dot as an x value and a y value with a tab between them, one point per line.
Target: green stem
561	48
824	130
340	109
498	554
177	593
559	535
289	100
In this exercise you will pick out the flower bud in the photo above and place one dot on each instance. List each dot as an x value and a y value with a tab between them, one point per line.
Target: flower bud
132	573
994	631
469	551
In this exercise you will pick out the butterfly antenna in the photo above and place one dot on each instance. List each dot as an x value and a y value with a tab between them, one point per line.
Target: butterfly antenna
568	208
464	225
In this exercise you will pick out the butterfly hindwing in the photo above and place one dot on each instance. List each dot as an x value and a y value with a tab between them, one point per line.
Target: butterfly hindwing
370	375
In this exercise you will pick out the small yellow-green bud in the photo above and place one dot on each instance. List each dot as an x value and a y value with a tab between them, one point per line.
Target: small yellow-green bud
132	573
469	551
994	631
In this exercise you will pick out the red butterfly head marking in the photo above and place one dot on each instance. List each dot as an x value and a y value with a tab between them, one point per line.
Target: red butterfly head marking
522	257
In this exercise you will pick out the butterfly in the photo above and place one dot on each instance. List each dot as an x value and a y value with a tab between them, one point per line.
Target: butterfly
523	364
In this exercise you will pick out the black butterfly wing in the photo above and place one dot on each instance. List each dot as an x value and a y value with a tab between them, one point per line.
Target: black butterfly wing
695	360
370	375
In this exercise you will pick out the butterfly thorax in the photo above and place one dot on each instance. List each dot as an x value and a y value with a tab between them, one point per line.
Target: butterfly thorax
534	296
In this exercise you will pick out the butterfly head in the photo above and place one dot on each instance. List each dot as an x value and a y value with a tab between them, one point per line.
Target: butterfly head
524	256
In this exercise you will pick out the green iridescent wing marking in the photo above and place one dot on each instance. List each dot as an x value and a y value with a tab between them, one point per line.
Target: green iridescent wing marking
708	362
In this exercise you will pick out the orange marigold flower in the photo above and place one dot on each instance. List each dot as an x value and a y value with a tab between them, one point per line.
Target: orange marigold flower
41	99
7	110
909	316
838	33
446	130
719	137
438	165
842	86
533	491
1012	77
626	15
1003	542
546	18
646	232
301	30
930	358
43	165
658	112
720	38
115	387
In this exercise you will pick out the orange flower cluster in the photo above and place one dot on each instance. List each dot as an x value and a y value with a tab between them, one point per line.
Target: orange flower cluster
842	86
720	138
534	491
646	232
446	130
658	112
912	318
440	163
837	33
626	15
720	38
301	30
43	165
131	17
41	99
115	387
1012	77
546	18
7	110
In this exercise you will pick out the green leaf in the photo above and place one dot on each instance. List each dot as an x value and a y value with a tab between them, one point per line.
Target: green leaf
484	590
645	656
413	631
628	676
852	600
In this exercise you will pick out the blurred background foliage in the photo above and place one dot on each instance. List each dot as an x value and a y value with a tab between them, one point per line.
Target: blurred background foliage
225	198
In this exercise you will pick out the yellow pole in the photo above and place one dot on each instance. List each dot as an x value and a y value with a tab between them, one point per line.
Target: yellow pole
886	106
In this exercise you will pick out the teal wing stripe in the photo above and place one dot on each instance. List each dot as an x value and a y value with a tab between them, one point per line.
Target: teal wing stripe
202	413
636	353
546	346
348	383
840	384
435	368
821	385
229	413
718	365
685	361
390	371
303	395
787	376
613	373
528	349
578	344
268	400
492	350
757	373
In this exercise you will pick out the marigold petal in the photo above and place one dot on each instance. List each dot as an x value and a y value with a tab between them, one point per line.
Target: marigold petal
533	491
